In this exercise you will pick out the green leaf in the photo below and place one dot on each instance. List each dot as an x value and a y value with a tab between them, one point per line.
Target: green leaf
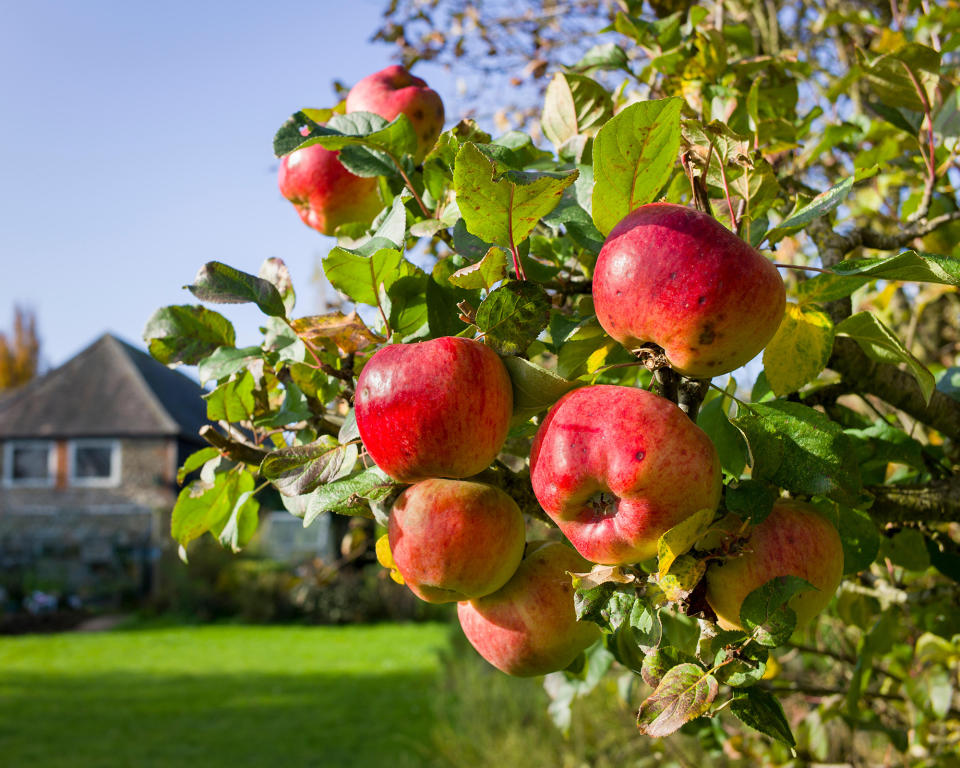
860	539
405	304
799	449
762	712
661	660
946	121
679	539
881	443
684	693
365	140
275	271
578	223
503	206
633	156
828	287
573	105
361	277
881	345
226	361
799	350
200	509
347	494
607	604
891	77
907	549
513	315
726	438
604	56
239	527
300	469
751	499
194	461
534	388
819	206
765	613
740	664
222	284
232	400
296	127
909	265
186	333
483	275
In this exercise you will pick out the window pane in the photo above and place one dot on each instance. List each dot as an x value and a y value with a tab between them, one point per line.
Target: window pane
30	462
92	461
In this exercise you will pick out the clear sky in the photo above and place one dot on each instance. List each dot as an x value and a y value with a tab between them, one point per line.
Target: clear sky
135	145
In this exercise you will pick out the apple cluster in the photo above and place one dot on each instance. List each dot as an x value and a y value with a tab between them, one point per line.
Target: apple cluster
431	414
614	467
325	194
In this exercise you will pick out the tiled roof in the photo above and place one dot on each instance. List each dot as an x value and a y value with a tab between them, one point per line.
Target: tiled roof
109	389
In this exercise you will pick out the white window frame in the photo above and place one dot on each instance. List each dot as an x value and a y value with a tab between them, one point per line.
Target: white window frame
94	482
9	481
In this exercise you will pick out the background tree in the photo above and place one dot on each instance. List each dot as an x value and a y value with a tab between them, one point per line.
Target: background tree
19	351
823	134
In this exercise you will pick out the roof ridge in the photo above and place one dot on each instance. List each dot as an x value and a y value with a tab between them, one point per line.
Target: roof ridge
119	347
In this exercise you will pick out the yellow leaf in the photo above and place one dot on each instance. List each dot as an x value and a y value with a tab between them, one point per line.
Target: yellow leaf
599	356
681	538
799	350
347	332
385	558
684	575
600	574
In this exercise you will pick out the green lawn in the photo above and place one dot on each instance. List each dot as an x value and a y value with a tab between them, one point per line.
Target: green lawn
220	695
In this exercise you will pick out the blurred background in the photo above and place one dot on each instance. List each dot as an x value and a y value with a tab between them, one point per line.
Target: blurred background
137	145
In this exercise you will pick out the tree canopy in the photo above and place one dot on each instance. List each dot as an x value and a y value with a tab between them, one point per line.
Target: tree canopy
825	135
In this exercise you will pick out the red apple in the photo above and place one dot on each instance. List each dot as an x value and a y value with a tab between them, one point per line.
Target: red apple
455	540
394	90
437	408
616	467
325	193
794	540
676	277
529	627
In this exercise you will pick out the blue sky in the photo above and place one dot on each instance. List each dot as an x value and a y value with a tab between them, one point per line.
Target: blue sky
135	145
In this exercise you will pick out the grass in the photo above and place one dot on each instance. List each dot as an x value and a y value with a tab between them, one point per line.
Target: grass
331	697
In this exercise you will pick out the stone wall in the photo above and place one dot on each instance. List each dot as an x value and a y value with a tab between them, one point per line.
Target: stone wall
97	543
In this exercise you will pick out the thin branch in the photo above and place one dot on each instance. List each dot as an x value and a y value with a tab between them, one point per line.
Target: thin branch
924	208
409	185
726	193
235	447
344	375
936	501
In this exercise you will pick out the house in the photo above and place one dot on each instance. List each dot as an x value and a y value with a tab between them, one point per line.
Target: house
88	462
